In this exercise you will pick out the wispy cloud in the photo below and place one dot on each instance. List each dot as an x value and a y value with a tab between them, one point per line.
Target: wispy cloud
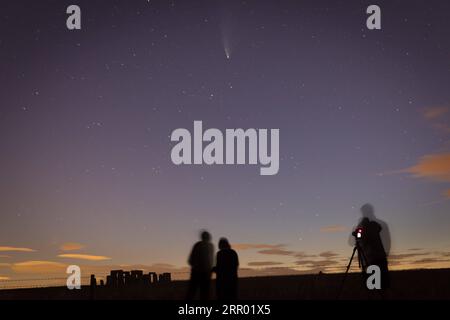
328	254
276	251
71	246
333	228
404	256
303	255
431	260
443	127
317	265
439	117
447	193
267	249
270	249
263	263
268	271
38	267
324	261
84	257
15	249
249	246
419	259
434	166
433	113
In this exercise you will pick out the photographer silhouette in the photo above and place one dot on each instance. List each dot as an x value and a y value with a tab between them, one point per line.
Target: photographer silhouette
374	242
369	240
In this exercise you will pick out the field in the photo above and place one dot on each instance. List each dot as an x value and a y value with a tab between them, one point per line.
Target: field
409	285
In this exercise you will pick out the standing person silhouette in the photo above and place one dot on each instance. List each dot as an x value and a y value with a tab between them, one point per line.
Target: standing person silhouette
201	261
375	242
227	271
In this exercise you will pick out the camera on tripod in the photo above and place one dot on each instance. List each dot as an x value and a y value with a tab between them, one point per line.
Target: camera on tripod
358	233
362	261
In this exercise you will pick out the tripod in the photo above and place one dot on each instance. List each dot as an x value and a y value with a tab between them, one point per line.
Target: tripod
361	263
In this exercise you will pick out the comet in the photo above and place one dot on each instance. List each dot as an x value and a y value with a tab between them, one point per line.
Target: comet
227	45
227	50
227	26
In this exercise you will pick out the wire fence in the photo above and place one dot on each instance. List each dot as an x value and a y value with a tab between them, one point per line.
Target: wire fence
37	282
59	281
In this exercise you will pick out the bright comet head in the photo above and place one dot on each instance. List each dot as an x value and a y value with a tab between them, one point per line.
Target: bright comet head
227	51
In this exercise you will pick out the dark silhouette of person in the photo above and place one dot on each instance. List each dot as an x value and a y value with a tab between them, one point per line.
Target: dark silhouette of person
201	261
227	263
375	243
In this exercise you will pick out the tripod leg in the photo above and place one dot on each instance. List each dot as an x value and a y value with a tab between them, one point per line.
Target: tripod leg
346	272
362	258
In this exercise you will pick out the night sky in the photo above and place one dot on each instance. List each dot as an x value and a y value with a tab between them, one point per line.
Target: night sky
86	116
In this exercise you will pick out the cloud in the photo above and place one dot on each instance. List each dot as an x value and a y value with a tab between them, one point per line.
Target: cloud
270	249
4	256
329	262
333	228
71	246
307	262
433	113
38	267
447	193
414	260
304	260
83	257
15	249
328	254
438	117
273	249
268	271
403	256
280	252
442	127
434	166
316	264
264	263
430	260
303	255
248	246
